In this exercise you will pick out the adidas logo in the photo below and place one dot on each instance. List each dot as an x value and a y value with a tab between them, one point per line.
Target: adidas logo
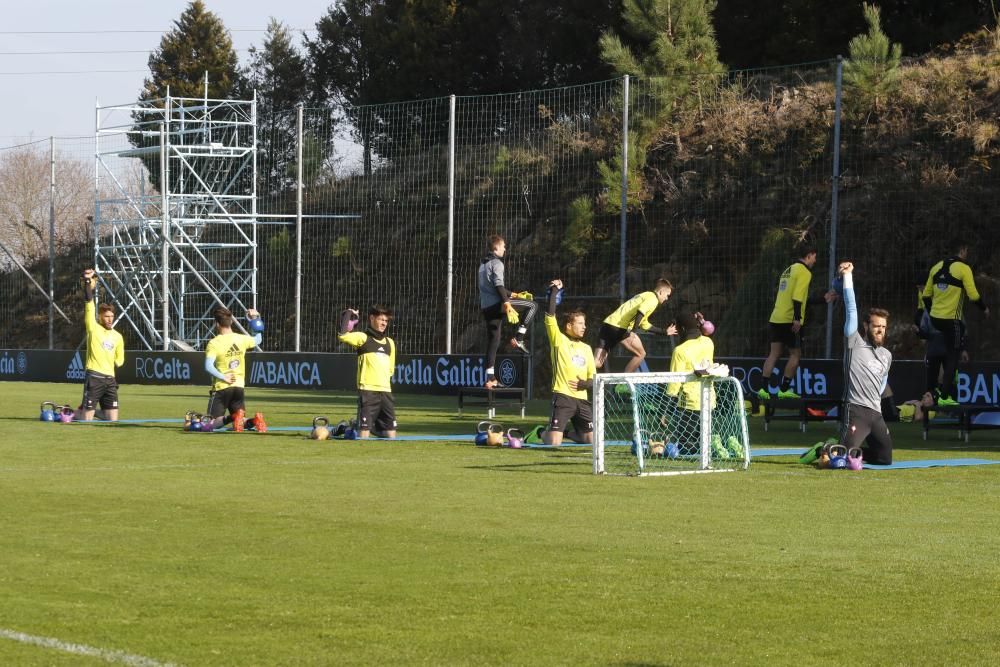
235	349
75	370
381	349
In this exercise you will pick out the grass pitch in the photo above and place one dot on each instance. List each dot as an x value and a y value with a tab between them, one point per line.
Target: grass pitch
249	549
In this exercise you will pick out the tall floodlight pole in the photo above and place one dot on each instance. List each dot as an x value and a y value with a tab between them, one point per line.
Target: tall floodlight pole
52	239
449	295
164	236
298	226
834	192
624	217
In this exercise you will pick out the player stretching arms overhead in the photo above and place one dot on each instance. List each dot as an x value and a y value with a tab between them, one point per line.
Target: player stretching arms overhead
572	374
867	364
376	364
620	326
105	352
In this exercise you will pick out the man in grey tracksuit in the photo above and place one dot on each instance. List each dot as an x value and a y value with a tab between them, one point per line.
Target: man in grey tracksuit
866	368
498	303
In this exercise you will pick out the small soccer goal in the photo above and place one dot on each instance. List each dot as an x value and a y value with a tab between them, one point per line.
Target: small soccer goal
668	424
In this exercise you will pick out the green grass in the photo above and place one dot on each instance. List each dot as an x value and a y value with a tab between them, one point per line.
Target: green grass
273	549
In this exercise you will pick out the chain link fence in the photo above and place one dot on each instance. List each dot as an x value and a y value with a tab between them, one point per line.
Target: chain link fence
722	176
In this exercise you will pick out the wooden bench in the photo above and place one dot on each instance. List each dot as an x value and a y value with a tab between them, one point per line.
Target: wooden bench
801	407
965	414
491	398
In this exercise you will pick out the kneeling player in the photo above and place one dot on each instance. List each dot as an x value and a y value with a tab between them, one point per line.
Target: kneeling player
225	361
105	353
620	326
376	364
572	374
696	352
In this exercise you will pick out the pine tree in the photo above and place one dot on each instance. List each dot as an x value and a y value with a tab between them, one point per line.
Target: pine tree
277	72
199	45
872	72
669	45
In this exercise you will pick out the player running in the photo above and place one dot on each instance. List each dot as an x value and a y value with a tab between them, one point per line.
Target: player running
949	282
867	364
620	326
225	361
105	352
498	304
376	364
573	372
786	322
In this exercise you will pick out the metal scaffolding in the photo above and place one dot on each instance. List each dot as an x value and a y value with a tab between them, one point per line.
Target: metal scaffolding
176	215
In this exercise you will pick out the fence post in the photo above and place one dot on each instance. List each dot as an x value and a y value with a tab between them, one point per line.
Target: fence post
164	241
52	239
624	215
834	191
298	227
449	294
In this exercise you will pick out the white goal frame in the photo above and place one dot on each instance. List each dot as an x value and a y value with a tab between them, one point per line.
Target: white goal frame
707	381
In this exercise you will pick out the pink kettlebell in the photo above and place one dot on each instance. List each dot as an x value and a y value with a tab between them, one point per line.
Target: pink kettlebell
855	459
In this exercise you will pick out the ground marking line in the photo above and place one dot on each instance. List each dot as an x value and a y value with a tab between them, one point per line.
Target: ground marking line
80	649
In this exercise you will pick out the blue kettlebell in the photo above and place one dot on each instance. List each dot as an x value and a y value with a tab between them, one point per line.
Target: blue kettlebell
350	433
645	449
838	463
196	426
48	412
548	295
673	451
257	325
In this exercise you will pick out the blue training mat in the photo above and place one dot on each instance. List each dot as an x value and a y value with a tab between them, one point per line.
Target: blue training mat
932	463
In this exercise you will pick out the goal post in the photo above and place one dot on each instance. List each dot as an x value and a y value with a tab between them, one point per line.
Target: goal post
668	424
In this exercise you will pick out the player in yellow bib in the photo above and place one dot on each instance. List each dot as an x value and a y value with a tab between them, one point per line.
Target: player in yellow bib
573	370
105	353
225	361
697	351
949	283
786	322
376	364
621	325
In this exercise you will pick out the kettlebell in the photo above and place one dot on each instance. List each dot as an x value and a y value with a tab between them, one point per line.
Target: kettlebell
548	295
350	433
207	424
482	431
196	425
515	438
66	414
673	451
257	325
48	412
188	418
320	429
855	459
494	437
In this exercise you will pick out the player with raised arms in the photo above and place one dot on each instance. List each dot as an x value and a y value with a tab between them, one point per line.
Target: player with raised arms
225	361
105	352
866	364
376	364
573	372
620	326
696	352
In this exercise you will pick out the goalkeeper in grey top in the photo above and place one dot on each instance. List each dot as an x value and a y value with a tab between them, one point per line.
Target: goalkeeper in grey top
866	365
498	303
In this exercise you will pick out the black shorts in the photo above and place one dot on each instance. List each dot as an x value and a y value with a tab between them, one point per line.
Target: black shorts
566	408
99	389
494	312
610	336
861	424
221	400
782	333
376	411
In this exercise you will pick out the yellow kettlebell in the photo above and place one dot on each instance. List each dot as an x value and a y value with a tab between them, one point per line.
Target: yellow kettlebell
494	436
320	429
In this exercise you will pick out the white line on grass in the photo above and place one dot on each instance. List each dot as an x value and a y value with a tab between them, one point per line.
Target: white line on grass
79	649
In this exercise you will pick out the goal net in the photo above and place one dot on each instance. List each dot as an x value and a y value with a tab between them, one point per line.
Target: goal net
668	424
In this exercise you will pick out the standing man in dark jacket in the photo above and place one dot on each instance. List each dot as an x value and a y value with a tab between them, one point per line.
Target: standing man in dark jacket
498	303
